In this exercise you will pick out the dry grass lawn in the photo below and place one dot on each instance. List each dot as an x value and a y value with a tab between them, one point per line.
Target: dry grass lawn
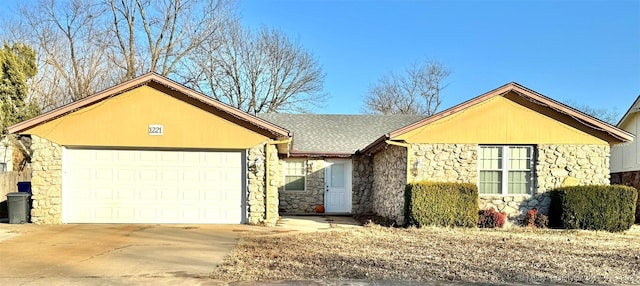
439	254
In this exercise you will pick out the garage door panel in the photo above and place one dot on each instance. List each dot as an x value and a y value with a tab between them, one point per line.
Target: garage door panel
147	194
148	175
125	194
144	186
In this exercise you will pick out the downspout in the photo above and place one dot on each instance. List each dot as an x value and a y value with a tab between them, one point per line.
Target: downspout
267	161
408	146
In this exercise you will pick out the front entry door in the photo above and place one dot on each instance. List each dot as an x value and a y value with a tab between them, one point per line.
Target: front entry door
337	193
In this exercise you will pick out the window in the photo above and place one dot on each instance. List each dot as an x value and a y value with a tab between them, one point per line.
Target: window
295	175
3	167
505	170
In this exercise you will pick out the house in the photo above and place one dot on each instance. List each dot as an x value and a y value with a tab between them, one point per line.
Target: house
153	151
322	167
625	158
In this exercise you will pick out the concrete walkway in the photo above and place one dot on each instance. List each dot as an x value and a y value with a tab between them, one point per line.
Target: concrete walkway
313	223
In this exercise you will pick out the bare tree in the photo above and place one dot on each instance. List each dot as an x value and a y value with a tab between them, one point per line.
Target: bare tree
610	116
159	35
85	46
65	34
258	71
416	91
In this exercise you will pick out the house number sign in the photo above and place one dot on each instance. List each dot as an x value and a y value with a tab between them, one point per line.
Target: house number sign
156	130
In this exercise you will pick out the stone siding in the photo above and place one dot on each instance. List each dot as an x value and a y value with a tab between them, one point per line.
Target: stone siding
256	184
556	166
262	198
297	202
444	163
275	180
389	181
46	181
362	185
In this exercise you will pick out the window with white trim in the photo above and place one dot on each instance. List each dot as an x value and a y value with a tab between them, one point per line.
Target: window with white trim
295	173
505	170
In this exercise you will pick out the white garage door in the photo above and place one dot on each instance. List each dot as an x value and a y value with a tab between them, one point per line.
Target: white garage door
144	186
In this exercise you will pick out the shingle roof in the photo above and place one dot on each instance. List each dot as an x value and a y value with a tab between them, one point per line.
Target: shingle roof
333	133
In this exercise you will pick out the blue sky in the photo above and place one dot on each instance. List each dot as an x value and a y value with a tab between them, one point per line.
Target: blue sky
584	51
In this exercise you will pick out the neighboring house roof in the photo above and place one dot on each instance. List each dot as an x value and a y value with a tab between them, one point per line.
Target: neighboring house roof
594	126
233	114
635	107
332	134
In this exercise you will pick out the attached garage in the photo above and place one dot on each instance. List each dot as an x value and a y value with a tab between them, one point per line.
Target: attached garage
152	151
152	186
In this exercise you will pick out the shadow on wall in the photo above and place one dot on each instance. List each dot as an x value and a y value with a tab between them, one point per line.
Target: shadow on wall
516	207
631	179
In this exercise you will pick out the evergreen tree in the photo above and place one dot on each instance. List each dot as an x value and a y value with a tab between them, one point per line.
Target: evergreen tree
17	66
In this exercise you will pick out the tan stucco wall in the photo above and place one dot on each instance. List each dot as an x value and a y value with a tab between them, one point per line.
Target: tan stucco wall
123	121
499	121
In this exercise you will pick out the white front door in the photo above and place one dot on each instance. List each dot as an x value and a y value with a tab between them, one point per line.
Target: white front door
337	193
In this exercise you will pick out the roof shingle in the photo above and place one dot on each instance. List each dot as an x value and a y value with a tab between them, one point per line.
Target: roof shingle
335	133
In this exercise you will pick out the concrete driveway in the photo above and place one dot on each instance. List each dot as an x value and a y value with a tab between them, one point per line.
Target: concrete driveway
112	254
131	254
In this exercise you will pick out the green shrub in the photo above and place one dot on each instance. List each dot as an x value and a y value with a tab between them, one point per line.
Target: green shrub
441	204
610	208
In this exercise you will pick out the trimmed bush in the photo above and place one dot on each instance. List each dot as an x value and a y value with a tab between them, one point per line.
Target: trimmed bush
535	219
441	204
491	218
610	208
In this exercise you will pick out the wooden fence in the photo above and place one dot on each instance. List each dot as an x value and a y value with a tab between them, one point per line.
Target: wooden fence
9	184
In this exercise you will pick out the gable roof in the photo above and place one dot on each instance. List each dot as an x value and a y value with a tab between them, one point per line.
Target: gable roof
336	135
594	126
635	107
172	88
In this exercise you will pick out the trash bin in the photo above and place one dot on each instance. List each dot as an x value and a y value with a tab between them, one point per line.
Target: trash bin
18	205
24	187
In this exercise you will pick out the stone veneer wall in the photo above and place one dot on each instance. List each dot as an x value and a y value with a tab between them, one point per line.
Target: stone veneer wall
556	165
262	198
389	180
256	184
305	202
444	163
275	180
46	181
297	202
362	181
